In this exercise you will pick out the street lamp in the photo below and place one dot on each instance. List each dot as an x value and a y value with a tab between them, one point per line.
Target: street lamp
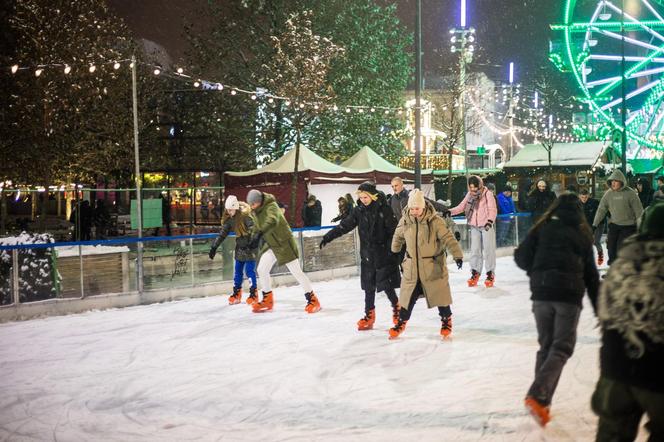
463	42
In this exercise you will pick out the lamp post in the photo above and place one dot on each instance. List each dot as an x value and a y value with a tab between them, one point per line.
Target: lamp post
418	94
463	42
623	107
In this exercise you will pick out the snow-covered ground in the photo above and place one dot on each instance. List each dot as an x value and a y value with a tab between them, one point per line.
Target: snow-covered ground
203	370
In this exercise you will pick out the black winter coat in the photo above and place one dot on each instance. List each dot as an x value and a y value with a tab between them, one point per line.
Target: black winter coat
590	209
375	225
539	202
559	261
311	216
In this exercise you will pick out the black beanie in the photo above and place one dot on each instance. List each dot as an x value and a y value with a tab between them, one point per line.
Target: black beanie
368	187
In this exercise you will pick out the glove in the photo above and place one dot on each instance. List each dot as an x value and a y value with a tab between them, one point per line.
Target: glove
213	252
255	241
323	243
445	213
459	263
488	225
457	235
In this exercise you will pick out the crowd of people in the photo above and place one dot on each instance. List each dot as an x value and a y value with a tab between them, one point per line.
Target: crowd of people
405	240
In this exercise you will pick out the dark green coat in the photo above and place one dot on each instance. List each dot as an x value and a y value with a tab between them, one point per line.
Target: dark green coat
276	231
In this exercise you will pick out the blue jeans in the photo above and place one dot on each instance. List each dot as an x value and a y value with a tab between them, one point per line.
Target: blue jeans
244	266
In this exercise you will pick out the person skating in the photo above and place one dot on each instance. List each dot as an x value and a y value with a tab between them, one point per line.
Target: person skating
631	314
540	199
623	204
279	248
345	207
312	212
479	205
379	269
427	241
237	218
590	206
558	256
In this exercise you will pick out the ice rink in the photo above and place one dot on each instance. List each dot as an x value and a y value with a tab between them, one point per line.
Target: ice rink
202	370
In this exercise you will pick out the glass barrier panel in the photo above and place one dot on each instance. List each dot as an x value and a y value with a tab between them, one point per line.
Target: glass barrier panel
339	253
105	269
166	264
220	268
68	265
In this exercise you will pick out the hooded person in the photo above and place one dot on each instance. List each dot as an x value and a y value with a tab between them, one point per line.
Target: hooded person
479	205
237	218
427	241
557	255
379	270
623	204
631	315
279	248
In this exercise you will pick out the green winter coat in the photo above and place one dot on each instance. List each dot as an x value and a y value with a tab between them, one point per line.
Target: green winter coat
276	231
427	241
624	205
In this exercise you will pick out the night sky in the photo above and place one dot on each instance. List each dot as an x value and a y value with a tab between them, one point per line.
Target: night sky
507	30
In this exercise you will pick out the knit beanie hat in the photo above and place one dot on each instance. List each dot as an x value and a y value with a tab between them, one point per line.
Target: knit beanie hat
416	199
232	203
369	188
254	196
652	224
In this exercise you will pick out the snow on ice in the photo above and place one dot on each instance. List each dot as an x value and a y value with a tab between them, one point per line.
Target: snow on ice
200	369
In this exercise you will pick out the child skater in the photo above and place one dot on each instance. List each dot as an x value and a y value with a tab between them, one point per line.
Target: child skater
237	218
427	240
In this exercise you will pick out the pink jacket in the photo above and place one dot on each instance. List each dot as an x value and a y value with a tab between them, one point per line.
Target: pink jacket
484	211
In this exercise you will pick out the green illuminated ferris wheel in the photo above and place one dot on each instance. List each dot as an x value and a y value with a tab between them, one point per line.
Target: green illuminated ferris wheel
590	46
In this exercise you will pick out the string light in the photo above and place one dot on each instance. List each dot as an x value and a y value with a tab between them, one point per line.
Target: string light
92	68
196	84
233	92
67	69
14	69
270	100
180	70
253	96
116	65
157	71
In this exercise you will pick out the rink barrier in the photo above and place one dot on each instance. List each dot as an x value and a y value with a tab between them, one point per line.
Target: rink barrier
77	276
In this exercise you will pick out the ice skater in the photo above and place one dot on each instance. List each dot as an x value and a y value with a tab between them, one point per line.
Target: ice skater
379	269
427	240
479	205
558	256
237	218
279	248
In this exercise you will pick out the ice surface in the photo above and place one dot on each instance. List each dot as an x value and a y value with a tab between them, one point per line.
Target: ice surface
203	370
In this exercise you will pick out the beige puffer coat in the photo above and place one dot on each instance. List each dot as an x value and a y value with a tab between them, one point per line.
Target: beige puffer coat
427	241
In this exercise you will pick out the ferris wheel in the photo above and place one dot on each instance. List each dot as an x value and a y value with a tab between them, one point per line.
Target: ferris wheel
591	48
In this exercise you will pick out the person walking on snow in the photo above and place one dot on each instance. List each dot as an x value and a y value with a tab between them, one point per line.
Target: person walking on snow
631	311
279	248
379	269
479	206
237	218
625	209
558	256
427	241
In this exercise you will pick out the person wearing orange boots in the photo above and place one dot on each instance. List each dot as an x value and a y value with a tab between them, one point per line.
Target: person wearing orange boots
427	240
237	218
479	205
279	248
379	270
558	256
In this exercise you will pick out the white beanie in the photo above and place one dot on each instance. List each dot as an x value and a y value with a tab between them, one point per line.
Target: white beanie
416	199
231	203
